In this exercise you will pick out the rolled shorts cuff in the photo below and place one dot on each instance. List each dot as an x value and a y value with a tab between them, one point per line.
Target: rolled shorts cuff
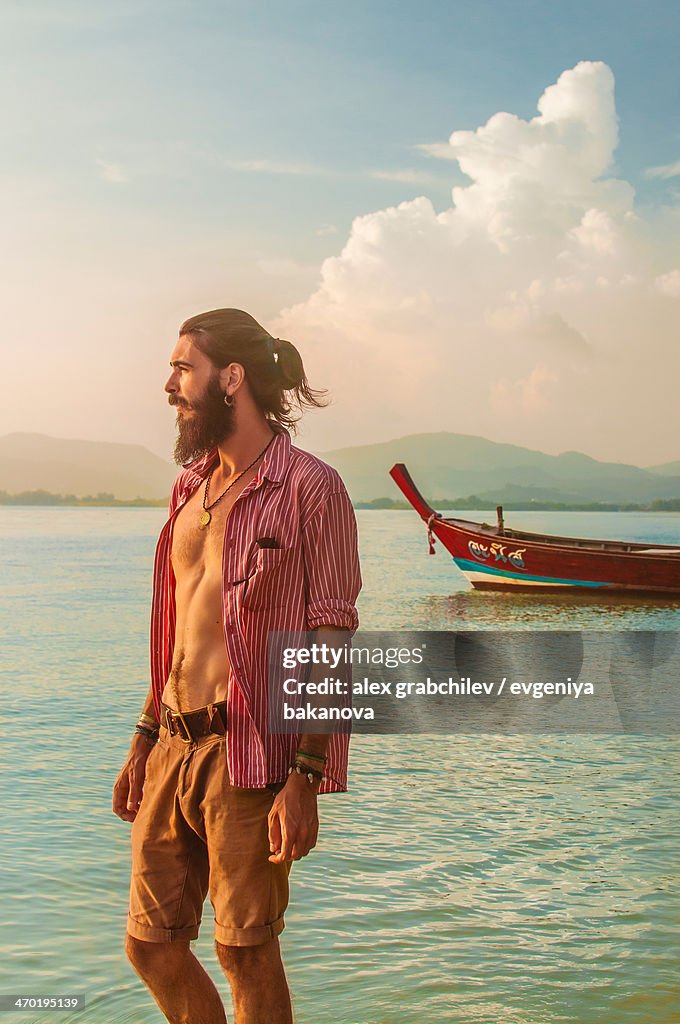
256	936
148	933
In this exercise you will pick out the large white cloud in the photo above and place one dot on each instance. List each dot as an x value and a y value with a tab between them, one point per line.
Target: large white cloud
539	308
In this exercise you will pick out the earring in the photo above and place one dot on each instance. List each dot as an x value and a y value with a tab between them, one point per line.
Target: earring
228	401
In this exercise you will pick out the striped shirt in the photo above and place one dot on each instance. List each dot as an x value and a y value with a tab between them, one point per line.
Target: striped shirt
311	579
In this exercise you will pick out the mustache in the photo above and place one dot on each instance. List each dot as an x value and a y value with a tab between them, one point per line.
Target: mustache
174	400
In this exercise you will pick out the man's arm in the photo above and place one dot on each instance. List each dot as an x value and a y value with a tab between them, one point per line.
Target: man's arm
127	791
332	583
294	817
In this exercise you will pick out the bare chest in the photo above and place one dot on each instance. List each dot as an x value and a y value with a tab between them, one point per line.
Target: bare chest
197	547
193	546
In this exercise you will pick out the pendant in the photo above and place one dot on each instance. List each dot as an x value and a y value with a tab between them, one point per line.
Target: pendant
204	519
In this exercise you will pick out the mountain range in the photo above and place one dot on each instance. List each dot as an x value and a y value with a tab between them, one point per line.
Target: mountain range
39	462
450	466
443	465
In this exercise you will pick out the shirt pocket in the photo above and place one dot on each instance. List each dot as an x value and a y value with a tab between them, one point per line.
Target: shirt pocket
269	585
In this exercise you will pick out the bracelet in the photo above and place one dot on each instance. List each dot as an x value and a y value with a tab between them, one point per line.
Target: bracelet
143	731
153	731
304	769
312	757
148	720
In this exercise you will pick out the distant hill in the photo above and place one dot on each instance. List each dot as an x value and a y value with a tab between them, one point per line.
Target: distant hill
444	466
40	462
457	465
666	469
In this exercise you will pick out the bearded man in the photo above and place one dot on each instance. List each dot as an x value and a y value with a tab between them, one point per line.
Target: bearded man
261	536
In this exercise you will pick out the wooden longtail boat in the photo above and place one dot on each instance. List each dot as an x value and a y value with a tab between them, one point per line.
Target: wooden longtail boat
498	558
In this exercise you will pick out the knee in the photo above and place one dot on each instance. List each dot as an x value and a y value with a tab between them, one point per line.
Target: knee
232	958
149	958
142	955
242	961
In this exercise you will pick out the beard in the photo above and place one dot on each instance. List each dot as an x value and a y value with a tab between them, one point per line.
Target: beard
212	422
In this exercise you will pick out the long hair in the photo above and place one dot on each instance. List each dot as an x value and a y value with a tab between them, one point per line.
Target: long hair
273	367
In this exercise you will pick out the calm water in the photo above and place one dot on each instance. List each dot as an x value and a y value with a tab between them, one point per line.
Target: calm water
486	879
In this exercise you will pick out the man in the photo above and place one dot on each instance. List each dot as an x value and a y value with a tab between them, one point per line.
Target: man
261	536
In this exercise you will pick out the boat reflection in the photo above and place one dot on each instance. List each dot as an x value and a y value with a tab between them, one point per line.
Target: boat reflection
507	610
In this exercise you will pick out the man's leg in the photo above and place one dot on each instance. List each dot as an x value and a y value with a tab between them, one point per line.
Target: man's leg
177	981
258	983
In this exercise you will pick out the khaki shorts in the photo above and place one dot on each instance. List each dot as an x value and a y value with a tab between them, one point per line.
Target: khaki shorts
195	834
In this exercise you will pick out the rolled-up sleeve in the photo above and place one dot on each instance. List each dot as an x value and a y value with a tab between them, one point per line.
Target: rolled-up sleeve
331	558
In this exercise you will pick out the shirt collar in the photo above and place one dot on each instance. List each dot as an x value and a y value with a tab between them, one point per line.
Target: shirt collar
273	466
275	462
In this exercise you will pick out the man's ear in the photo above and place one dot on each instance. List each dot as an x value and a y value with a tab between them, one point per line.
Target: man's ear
232	377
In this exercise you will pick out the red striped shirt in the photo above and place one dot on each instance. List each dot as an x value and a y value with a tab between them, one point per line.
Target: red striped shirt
311	579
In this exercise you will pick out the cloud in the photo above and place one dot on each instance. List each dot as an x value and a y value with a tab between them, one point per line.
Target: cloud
669	284
112	172
529	310
277	167
285	268
664	171
524	397
440	150
407	177
598	232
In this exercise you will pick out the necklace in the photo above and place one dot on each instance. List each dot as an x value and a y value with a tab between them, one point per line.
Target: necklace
205	517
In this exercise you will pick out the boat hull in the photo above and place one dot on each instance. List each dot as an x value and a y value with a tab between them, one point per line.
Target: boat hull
492	558
494	562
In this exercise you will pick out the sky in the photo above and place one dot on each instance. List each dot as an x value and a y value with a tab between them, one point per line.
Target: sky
465	215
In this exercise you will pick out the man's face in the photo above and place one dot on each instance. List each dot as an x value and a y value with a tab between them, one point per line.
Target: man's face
193	387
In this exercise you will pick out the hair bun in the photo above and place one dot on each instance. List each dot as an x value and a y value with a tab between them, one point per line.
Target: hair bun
291	369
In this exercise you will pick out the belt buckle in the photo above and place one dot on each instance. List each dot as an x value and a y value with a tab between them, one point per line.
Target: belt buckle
189	738
213	714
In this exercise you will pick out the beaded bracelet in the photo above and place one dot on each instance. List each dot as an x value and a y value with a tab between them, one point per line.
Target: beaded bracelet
304	769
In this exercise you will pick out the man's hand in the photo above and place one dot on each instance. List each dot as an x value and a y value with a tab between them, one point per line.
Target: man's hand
127	791
293	820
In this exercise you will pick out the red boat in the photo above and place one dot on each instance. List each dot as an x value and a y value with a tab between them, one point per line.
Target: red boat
497	558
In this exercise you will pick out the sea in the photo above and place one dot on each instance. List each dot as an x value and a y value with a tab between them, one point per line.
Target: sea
463	879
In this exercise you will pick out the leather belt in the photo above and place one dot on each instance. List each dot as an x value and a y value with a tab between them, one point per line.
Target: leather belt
192	725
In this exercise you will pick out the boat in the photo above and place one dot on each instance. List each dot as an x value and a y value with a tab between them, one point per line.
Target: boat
494	557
